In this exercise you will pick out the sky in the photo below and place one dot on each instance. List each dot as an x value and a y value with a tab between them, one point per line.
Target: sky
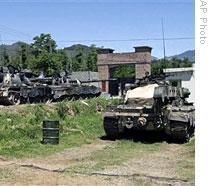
120	25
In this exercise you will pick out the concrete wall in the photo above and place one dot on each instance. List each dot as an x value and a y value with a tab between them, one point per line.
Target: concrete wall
86	76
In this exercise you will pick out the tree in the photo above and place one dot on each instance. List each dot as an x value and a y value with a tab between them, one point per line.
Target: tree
46	58
78	63
159	65
156	68
186	62
5	57
43	42
24	56
64	61
91	59
83	58
124	71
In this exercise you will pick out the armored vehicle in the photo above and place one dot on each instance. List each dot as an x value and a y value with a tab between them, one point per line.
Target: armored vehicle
153	105
16	87
19	86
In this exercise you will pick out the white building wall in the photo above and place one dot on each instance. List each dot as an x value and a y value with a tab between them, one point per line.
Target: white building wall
191	85
187	77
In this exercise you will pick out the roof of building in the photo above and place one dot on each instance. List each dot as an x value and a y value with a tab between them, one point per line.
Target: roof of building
174	70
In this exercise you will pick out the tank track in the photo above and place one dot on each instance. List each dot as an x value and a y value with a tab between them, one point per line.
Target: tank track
180	134
111	128
15	98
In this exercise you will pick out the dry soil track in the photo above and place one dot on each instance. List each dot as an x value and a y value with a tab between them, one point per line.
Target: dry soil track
158	168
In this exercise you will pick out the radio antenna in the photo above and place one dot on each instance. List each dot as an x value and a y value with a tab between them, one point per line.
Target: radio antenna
164	50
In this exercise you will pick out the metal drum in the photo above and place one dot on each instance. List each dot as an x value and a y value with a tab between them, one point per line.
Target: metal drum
50	132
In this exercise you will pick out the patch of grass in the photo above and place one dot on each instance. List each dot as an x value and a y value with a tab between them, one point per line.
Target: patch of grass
21	126
4	173
186	166
117	154
191	143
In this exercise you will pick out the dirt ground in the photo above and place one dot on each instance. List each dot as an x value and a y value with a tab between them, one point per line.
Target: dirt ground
157	168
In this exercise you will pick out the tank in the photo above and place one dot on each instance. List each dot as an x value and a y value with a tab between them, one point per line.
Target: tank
64	88
152	105
19	86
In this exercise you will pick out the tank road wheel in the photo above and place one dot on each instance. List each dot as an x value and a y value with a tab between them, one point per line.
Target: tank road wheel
14	98
46	99
76	97
112	128
34	100
23	100
180	131
31	100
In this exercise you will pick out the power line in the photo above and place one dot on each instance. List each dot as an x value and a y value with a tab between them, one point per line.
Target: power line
11	31
125	40
109	40
15	40
27	37
113	40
